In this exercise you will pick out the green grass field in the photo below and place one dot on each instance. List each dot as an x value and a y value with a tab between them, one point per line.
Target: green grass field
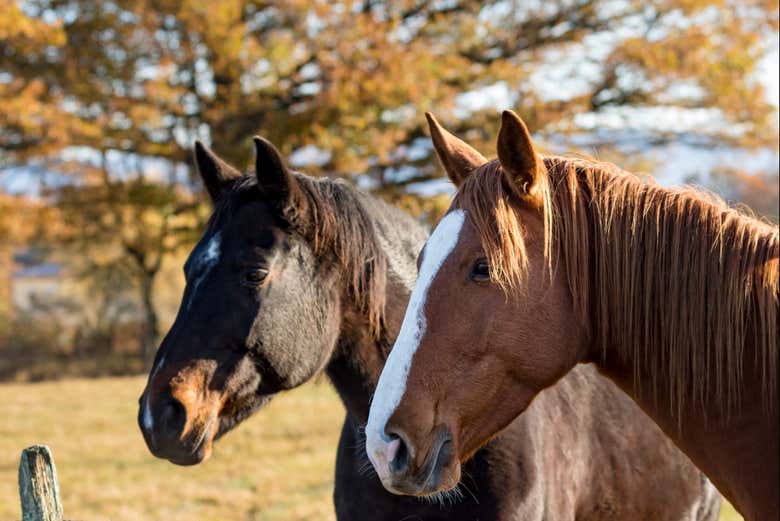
277	466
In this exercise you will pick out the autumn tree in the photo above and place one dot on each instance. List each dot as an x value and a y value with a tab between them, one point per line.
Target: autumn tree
353	77
142	79
128	228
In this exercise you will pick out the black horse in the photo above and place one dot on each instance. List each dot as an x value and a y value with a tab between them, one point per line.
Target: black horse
294	276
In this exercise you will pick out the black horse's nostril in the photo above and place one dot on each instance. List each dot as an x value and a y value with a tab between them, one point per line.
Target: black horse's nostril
172	417
400	462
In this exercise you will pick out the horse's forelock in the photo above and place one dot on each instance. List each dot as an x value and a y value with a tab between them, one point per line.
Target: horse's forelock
491	201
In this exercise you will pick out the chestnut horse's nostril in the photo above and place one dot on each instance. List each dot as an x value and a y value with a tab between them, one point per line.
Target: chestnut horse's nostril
398	455
173	416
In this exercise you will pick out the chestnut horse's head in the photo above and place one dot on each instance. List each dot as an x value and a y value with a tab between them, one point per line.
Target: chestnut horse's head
470	356
259	314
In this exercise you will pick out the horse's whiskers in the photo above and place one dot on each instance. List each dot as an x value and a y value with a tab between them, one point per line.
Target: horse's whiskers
467	475
446	498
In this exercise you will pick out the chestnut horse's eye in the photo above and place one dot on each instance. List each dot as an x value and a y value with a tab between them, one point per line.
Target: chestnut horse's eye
254	277
480	272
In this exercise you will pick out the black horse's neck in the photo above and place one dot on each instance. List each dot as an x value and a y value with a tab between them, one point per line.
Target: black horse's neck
358	359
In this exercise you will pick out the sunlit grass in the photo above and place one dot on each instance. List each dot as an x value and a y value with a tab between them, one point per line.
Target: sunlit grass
278	466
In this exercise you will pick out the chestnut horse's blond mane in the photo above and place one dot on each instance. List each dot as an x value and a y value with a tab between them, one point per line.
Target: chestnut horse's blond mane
672	279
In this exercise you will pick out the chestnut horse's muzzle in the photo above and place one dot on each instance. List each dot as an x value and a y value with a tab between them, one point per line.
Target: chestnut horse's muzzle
409	471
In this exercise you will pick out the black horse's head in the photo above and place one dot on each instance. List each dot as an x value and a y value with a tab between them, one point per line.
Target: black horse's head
261	309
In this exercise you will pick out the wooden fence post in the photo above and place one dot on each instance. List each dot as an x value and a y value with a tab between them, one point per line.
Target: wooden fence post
38	487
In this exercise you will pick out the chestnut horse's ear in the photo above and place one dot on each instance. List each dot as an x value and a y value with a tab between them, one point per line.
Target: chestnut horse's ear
458	158
216	174
516	152
274	180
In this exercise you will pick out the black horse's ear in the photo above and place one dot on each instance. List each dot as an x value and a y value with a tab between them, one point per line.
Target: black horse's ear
516	153
274	180
216	174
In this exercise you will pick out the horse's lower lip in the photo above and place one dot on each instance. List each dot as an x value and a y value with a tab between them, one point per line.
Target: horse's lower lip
200	451
193	458
186	461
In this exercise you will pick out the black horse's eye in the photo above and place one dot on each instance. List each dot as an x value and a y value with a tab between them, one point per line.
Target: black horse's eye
254	277
480	272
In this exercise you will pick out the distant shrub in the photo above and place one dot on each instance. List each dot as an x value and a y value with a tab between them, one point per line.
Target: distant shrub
36	348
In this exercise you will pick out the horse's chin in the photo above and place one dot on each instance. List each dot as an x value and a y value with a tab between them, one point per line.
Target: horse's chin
448	482
199	456
443	489
201	452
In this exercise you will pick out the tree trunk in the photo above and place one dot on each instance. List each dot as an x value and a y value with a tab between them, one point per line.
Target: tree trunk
151	325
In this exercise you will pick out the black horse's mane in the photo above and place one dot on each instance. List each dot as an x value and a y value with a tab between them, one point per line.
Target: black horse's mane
339	224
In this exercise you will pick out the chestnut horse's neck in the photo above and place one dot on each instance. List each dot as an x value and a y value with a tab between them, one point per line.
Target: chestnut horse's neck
359	357
738	450
681	294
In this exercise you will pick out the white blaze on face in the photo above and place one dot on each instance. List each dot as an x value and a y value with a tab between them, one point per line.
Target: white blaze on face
392	382
148	420
205	262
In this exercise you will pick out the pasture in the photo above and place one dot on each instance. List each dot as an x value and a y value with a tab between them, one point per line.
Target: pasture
276	466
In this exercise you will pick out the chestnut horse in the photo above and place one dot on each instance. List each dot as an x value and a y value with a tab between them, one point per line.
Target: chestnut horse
296	276
542	263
